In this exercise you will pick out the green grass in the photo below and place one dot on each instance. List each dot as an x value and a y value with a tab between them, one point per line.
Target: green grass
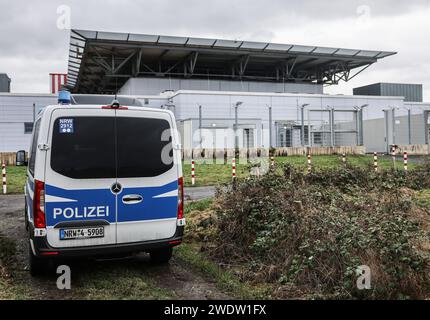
188	254
15	179
422	198
199	205
213	174
118	281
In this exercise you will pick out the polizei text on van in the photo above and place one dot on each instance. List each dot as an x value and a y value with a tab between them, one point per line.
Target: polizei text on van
83	212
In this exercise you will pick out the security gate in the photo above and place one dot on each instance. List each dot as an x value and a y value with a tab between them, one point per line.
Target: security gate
332	127
288	134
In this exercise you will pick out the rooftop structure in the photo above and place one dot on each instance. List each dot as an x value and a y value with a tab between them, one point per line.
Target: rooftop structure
101	62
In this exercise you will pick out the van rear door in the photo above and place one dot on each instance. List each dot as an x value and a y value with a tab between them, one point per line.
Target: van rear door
148	175
80	169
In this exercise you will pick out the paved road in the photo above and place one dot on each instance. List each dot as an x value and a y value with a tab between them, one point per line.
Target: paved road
11	203
198	193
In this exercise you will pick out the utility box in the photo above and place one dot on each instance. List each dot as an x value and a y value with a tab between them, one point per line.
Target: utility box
4	82
411	92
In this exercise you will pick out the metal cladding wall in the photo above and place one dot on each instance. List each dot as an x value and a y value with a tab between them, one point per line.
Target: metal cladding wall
153	86
383	124
411	92
15	111
218	109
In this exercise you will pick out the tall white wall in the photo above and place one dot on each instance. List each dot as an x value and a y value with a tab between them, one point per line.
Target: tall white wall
287	107
153	86
218	111
15	110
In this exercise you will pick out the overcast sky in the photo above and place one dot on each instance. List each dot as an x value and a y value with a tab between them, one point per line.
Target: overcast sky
32	45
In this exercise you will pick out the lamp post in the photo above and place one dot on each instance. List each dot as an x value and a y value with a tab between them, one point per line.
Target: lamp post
393	114
409	125
200	124
303	123
236	138
331	124
359	123
270	127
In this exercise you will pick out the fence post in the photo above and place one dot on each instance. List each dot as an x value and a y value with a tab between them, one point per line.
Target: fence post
405	161
193	176
233	169
375	161
3	171
309	163
393	156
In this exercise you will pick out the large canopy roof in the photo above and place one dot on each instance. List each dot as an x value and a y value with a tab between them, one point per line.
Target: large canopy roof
101	62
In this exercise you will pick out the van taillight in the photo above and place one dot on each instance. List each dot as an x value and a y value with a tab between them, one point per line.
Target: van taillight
180	198
39	204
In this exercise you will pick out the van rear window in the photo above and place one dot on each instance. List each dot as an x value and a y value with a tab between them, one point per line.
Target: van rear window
108	147
144	147
84	147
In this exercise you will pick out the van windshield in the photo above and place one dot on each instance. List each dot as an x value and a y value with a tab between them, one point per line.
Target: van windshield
109	147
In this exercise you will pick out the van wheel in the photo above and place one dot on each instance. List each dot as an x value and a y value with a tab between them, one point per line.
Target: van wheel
161	256
37	265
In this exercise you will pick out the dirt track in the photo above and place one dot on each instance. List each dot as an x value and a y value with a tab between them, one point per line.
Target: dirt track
120	278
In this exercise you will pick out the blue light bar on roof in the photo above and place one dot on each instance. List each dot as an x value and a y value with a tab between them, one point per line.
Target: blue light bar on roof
64	97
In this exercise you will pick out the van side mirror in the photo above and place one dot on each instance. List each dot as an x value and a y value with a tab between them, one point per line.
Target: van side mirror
21	158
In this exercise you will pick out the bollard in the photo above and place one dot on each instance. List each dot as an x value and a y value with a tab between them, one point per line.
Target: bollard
272	161
405	161
3	172
233	169
344	158
375	161
309	163
393	156
193	175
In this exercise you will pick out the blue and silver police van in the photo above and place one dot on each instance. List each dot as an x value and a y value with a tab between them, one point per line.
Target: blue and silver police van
103	180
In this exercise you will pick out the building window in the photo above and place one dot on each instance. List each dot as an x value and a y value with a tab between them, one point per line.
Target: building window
28	127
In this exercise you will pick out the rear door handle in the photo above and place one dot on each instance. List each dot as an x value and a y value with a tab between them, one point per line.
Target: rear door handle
132	199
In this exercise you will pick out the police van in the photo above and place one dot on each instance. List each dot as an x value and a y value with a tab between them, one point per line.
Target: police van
103	180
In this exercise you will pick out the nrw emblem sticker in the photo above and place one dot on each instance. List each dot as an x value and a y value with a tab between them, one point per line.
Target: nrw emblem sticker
66	125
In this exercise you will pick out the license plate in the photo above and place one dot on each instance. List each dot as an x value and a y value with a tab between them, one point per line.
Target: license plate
82	233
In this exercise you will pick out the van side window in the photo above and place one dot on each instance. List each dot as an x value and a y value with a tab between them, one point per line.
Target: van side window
32	160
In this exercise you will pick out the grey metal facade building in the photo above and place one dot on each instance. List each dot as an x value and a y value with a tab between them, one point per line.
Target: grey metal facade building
411	92
17	114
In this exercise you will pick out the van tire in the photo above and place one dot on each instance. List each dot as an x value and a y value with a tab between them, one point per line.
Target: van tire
161	256
37	266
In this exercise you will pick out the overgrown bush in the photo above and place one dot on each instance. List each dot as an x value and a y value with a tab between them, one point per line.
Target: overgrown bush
312	231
